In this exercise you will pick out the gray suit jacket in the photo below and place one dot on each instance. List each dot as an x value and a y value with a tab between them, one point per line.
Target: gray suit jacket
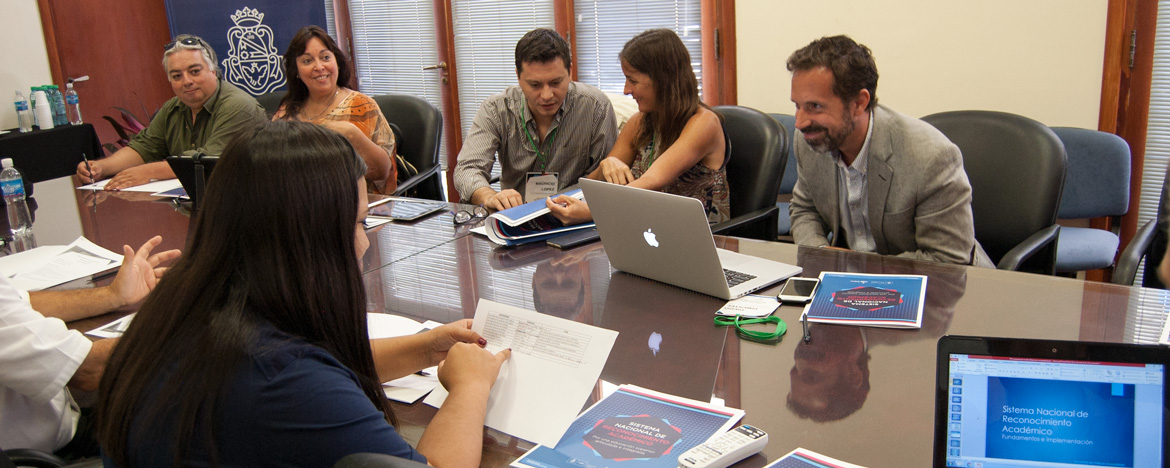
919	196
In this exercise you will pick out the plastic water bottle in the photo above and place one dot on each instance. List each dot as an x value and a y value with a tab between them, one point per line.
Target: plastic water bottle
58	103
72	110
19	219
23	113
42	109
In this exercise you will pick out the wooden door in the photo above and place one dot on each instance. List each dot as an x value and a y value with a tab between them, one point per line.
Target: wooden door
119	44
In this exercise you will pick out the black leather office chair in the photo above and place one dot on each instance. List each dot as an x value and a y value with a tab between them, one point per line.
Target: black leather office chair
788	182
418	129
1016	166
1139	248
759	152
1148	243
270	101
376	460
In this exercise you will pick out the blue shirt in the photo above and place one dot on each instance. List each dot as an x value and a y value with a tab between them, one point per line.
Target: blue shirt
292	404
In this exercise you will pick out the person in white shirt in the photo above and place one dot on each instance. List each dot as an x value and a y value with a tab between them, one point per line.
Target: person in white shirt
40	359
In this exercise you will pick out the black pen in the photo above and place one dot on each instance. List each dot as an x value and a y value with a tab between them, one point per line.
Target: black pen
87	166
804	323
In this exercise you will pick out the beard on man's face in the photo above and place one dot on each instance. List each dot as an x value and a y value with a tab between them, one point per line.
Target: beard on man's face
829	139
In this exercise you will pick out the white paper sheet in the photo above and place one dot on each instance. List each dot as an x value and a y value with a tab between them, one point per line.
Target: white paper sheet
153	186
750	306
113	329
390	325
555	364
411	388
50	265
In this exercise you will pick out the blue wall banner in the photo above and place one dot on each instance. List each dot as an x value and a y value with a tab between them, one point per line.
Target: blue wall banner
249	38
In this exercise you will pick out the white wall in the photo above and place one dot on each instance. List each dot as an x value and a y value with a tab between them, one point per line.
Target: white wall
1038	58
26	62
26	65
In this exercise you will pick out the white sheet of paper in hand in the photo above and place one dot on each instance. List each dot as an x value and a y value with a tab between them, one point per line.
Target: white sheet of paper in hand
555	364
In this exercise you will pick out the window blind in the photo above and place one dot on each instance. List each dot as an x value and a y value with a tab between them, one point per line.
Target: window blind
1158	127
393	41
330	24
604	26
486	32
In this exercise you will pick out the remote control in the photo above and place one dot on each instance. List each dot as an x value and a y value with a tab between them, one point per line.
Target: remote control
724	449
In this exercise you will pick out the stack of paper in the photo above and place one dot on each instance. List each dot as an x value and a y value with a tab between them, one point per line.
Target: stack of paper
50	265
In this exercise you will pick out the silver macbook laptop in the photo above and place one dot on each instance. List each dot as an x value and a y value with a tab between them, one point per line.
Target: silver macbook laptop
666	238
1009	402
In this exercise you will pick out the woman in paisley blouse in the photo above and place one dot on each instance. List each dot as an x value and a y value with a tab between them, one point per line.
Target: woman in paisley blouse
674	144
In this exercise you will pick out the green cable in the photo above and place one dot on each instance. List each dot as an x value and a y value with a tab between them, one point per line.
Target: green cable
738	320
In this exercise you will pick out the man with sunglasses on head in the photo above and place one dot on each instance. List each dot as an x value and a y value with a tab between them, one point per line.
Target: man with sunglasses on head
547	132
204	115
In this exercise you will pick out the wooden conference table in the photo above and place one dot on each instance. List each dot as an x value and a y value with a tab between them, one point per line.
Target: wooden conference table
863	395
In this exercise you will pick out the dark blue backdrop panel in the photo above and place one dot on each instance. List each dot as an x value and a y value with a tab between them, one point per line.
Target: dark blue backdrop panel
249	38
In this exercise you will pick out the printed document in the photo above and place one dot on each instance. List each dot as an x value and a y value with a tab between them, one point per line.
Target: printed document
153	186
555	365
50	265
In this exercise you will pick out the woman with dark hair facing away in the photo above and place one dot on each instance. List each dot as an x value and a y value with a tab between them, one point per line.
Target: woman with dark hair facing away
317	72
253	351
674	144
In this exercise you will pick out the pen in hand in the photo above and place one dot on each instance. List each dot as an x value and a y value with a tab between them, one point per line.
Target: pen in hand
88	168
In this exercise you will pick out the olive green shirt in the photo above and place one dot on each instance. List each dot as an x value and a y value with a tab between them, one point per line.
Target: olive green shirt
229	111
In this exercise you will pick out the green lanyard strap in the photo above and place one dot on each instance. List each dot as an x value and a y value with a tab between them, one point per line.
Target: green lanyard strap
552	137
781	327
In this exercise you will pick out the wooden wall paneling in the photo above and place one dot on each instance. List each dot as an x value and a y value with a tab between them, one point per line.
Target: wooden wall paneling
119	44
445	36
718	46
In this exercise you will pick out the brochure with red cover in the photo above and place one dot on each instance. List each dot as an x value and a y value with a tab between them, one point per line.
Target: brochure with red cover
892	301
633	427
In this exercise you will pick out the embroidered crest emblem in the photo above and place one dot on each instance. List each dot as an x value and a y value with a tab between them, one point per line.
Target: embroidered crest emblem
252	61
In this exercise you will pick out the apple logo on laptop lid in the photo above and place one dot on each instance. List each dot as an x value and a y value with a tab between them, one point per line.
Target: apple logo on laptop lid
651	238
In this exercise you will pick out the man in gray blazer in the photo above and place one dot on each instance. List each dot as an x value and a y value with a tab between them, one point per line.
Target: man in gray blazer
871	179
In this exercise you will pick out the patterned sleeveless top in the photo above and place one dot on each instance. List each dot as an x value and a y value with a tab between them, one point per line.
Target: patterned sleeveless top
700	182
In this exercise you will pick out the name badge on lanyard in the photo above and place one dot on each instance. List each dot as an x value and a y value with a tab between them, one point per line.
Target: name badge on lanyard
540	185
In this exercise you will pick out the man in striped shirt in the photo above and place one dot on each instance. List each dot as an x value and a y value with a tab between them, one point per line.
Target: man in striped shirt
548	131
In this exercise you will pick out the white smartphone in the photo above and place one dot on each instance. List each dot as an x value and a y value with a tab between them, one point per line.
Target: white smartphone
798	289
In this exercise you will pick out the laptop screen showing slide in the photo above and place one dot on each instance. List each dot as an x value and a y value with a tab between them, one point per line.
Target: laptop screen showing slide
1013	402
666	238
